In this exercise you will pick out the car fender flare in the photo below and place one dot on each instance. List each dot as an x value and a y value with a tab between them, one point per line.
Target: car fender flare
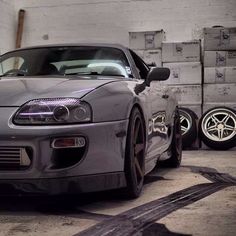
137	104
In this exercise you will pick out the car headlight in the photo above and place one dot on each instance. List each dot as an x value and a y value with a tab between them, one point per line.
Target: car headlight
53	111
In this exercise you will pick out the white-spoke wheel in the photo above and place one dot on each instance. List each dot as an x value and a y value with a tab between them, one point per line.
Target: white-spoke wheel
185	122
188	126
218	128
219	125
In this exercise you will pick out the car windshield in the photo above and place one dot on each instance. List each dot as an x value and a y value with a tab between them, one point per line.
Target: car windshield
82	60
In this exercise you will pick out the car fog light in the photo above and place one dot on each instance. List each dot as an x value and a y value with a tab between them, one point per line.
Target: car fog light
74	142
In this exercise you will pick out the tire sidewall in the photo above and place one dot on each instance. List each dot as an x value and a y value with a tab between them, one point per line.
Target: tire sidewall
223	145
191	135
133	188
176	144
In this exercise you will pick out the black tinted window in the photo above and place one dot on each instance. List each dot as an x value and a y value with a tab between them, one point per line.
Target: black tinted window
66	61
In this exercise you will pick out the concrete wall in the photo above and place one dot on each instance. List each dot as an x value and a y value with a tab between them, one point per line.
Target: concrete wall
7	25
58	21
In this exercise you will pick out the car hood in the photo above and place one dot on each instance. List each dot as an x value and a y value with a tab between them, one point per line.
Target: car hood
17	91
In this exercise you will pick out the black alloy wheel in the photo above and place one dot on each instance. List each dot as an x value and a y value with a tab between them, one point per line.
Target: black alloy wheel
135	150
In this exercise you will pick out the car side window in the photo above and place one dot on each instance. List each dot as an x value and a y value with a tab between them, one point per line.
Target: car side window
140	64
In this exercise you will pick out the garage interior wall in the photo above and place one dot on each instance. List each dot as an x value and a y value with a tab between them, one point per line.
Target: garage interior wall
7	25
60	21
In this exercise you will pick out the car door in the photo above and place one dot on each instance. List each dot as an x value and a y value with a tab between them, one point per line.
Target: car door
158	100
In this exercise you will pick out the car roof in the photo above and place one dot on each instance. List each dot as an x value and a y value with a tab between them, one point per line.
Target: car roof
118	46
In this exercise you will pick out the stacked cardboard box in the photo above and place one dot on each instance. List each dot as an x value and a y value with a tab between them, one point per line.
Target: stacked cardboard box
219	87
183	60
148	45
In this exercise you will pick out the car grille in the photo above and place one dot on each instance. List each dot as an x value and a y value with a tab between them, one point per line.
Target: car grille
14	158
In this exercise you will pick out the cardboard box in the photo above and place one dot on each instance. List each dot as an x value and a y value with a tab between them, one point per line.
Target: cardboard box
219	58
139	53
146	40
151	57
197	109
184	73
181	51
219	93
208	106
187	94
219	38
220	75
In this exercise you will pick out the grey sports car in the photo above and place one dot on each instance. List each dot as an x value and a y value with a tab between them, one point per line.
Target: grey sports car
82	118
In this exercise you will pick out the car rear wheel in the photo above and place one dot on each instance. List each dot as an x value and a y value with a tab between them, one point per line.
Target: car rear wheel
176	145
188	127
217	128
134	159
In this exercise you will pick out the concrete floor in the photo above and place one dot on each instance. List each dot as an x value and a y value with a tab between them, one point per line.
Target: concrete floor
195	199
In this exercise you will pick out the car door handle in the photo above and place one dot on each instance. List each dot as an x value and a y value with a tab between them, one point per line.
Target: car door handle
165	96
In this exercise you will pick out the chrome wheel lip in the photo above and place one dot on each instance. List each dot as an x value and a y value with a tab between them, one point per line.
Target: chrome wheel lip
221	130
185	122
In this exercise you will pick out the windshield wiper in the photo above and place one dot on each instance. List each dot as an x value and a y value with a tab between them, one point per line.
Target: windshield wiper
88	73
113	75
83	73
14	72
94	73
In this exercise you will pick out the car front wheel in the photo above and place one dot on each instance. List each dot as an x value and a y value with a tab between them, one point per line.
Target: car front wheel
134	159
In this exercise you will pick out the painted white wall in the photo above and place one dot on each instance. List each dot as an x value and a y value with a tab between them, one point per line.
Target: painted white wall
64	21
7	25
59	21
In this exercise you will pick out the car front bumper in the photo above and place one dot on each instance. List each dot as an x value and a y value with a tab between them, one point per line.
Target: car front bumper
67	185
100	168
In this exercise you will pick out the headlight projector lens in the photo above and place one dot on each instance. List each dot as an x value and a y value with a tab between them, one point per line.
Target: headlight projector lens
61	113
80	113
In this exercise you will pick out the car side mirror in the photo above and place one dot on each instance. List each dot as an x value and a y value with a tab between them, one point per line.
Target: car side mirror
157	74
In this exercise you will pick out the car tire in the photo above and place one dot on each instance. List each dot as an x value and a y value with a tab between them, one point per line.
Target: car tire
217	128
134	156
176	144
188	127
